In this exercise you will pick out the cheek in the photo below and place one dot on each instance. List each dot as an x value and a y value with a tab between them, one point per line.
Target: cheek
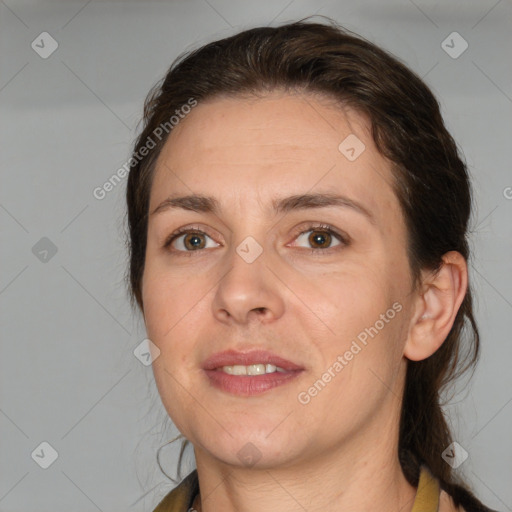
170	299
359	315
171	307
172	388
175	306
348	299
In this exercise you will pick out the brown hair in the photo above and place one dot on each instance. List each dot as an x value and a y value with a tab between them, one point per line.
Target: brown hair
431	182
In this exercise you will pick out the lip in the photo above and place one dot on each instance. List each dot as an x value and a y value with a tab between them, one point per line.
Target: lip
233	357
245	385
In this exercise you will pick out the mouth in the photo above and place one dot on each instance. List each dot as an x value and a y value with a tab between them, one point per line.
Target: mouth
249	373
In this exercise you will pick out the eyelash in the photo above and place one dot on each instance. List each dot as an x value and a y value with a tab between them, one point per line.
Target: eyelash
343	238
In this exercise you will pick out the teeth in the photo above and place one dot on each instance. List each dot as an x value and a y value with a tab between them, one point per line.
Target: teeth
253	369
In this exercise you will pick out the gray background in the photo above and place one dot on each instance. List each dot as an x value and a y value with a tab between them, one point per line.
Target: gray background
68	373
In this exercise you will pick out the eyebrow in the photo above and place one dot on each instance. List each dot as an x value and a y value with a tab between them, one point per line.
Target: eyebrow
208	204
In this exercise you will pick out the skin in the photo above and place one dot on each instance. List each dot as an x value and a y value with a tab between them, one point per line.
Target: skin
339	451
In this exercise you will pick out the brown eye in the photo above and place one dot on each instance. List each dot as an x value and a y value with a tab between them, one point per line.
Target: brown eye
194	241
320	238
189	241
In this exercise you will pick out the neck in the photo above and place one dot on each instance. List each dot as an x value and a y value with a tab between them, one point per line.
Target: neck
355	482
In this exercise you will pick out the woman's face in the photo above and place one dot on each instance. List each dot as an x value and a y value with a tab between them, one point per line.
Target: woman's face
249	277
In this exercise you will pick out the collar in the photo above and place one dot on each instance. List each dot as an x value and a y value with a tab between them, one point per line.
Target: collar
427	495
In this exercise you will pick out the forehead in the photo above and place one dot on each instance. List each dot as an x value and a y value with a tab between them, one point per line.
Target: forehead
266	127
249	149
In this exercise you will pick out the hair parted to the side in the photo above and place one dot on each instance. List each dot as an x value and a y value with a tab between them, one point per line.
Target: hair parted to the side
430	180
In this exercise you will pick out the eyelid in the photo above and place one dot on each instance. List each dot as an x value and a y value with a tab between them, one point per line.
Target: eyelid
321	226
302	229
183	231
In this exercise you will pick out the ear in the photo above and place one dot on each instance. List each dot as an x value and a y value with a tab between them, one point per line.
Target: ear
437	302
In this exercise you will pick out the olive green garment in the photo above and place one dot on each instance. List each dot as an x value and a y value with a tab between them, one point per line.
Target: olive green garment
181	498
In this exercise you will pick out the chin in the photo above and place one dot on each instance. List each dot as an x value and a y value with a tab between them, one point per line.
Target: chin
247	448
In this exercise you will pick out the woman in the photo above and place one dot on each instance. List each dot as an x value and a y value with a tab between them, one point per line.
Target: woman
297	219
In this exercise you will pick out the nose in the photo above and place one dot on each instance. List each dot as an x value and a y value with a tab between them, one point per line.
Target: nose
249	291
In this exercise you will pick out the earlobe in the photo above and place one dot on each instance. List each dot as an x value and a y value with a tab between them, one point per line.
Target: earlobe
438	300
